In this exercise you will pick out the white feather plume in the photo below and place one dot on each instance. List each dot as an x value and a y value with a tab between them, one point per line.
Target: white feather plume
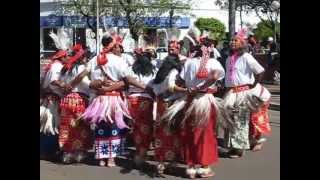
61	39
56	40
49	119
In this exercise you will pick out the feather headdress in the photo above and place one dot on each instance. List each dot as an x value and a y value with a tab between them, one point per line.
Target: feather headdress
61	39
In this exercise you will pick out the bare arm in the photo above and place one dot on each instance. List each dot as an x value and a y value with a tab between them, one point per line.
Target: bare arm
132	81
258	78
79	78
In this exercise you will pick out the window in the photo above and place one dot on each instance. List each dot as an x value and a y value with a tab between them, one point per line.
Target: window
79	35
48	43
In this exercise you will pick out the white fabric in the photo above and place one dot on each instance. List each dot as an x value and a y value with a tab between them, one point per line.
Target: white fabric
165	84
163	87
191	67
53	74
191	39
143	79
115	68
128	59
83	86
216	53
245	68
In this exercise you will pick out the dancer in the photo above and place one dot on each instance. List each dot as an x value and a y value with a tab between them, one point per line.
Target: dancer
109	75
244	95
75	136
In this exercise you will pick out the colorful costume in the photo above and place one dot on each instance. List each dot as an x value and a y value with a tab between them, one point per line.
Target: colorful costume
107	112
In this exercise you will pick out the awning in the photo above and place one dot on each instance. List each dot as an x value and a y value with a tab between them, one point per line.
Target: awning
81	21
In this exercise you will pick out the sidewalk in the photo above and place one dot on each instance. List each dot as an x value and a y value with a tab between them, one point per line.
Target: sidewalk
275	96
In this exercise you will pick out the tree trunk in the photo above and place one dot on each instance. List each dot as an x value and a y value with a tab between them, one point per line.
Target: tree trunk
232	17
170	18
241	22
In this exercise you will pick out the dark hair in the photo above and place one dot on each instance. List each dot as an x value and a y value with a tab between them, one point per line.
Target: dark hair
197	49
121	49
143	65
106	40
169	63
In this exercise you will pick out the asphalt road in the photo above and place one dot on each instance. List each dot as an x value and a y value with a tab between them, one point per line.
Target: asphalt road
263	165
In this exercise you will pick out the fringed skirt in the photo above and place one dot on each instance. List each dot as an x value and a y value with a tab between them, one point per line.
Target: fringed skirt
49	124
141	110
107	108
74	135
108	114
49	114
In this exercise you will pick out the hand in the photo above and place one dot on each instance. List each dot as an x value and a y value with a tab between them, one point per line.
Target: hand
67	88
95	84
101	91
192	91
108	83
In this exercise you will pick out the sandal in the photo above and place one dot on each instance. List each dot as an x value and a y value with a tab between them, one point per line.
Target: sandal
67	158
111	162
80	156
257	147
205	172
191	173
160	170
236	153
102	163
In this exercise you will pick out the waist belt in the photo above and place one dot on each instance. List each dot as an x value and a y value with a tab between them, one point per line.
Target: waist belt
241	88
113	93
209	91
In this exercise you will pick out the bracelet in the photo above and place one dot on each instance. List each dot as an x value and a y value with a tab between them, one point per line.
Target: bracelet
171	88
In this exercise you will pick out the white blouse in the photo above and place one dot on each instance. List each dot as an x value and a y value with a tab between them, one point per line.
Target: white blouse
191	67
245	68
53	74
83	86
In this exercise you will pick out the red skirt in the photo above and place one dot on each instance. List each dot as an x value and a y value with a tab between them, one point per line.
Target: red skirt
141	109
167	143
73	138
259	123
200	143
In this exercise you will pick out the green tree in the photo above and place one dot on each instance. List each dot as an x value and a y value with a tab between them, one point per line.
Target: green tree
215	27
133	10
263	30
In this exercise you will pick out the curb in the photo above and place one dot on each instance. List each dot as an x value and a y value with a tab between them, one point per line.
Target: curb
274	106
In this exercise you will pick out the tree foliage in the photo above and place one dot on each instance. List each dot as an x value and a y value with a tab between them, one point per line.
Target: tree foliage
215	27
263	30
262	8
132	10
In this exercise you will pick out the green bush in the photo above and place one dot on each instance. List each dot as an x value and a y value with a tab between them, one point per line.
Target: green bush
214	26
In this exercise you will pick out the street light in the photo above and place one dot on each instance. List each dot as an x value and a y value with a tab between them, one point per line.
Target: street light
275	6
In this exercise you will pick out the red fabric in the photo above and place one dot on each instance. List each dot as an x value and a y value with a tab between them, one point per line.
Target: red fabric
259	123
79	53
56	56
141	109
203	72
167	144
200	143
78	137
